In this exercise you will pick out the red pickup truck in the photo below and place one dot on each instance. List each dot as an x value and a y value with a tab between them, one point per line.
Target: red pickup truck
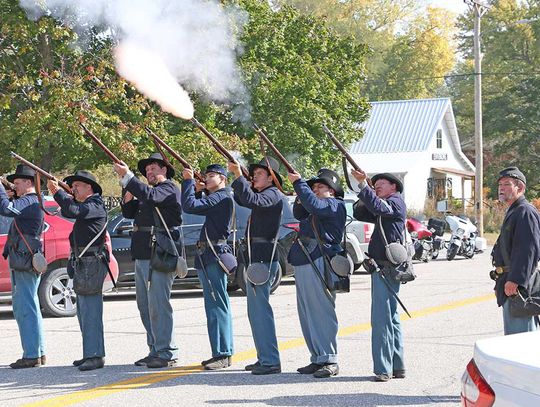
55	292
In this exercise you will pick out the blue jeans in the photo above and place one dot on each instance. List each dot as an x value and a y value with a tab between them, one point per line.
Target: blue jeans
317	313
90	315
386	334
261	319
218	311
154	303
27	312
515	325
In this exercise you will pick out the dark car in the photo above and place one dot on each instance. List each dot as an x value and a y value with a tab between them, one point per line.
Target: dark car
121	229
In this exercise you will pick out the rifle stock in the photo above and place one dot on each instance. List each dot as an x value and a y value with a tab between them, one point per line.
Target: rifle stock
278	154
218	146
161	143
41	171
96	140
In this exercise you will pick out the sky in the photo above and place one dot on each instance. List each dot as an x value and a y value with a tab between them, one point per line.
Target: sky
457	6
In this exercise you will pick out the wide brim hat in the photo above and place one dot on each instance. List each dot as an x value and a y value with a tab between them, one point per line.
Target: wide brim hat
154	158
22	171
329	178
274	164
86	177
389	177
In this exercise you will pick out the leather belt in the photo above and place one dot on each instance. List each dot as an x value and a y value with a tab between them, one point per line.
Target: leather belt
151	229
201	245
261	240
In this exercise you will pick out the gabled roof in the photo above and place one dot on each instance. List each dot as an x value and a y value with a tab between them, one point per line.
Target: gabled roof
403	126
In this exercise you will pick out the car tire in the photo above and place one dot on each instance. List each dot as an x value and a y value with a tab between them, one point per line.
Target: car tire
241	280
56	294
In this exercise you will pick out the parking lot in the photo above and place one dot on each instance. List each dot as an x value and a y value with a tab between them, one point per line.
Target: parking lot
451	304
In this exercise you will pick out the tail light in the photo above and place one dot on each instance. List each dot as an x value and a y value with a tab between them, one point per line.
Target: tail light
293	226
475	391
367	232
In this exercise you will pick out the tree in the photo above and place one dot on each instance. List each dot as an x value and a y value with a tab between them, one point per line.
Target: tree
511	54
300	74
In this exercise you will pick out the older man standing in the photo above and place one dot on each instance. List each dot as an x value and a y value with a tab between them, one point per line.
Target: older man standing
153	288
22	241
385	207
87	241
517	251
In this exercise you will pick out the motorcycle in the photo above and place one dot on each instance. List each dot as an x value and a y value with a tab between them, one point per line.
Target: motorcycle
463	239
426	241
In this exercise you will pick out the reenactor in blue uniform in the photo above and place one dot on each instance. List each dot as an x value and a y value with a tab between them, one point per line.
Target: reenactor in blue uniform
153	288
88	252
266	204
386	202
215	260
22	241
319	204
517	251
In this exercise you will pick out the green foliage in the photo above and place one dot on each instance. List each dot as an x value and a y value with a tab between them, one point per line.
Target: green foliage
299	72
510	80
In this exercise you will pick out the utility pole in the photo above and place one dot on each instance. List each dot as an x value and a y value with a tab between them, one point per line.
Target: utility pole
479	9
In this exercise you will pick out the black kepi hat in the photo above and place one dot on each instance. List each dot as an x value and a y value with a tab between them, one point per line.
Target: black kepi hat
22	171
274	164
86	177
154	158
218	169
329	178
390	178
512	172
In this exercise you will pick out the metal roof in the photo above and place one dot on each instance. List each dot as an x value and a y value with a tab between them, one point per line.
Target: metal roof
401	125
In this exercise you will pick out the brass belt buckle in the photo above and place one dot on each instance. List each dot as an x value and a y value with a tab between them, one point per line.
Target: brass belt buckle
499	270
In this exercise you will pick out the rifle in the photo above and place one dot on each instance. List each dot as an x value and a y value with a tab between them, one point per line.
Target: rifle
280	156
219	147
158	142
96	140
345	155
272	174
41	172
7	185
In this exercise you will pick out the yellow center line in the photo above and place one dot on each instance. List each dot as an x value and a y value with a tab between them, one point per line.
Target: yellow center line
173	373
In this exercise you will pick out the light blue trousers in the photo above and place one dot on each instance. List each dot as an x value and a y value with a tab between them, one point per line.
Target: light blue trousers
90	315
261	319
386	334
317	313
515	325
218	311
27	312
154	303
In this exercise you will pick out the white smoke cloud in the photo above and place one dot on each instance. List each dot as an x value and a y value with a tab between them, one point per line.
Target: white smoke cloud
194	40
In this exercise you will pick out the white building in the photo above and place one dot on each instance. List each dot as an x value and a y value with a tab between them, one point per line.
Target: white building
418	141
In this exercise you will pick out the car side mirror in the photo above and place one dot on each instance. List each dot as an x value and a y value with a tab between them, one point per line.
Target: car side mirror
123	228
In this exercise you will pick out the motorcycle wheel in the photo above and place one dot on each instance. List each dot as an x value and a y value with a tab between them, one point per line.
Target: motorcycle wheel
451	252
435	254
470	253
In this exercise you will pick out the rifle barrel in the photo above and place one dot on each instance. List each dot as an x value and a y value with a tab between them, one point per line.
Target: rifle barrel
41	171
219	147
159	142
340	147
96	140
278	154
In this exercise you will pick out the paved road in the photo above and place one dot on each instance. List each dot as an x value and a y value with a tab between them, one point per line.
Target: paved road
451	305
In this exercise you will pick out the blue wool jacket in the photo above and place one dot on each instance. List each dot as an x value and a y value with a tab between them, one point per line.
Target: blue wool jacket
166	196
217	207
29	217
266	209
90	218
393	213
330	218
520	235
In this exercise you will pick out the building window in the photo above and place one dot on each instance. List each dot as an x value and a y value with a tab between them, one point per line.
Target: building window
439	138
